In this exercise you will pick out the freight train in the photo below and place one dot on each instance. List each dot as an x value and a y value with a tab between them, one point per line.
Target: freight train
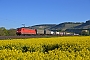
29	31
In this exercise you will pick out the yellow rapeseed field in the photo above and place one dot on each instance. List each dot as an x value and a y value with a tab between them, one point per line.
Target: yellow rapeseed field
55	48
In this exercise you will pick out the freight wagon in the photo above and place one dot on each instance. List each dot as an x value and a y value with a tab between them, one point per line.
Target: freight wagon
40	32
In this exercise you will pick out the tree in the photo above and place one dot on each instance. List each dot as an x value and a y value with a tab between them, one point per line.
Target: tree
3	31
12	32
85	32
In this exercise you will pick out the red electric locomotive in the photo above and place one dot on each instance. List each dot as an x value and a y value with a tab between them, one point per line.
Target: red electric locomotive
26	31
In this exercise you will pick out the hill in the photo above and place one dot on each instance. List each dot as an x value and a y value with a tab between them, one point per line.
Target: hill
43	26
85	25
66	25
79	28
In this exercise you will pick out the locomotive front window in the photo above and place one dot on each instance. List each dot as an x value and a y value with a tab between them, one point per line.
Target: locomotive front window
19	29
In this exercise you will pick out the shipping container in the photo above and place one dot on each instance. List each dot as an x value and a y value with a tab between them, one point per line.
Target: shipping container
57	33
52	32
47	32
40	31
61	33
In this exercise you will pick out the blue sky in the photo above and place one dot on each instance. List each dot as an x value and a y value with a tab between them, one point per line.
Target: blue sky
14	13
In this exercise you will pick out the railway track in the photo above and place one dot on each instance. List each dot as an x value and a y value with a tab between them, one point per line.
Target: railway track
23	37
18	37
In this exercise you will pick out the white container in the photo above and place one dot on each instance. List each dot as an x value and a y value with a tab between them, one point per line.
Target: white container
52	32
57	32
